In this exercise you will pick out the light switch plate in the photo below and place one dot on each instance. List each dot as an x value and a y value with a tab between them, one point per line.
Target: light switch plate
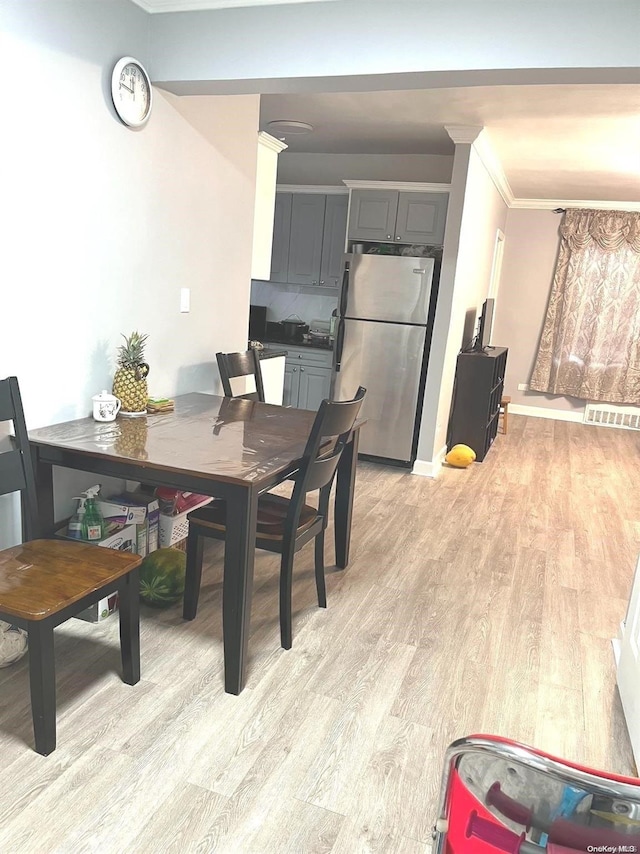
523	386
185	299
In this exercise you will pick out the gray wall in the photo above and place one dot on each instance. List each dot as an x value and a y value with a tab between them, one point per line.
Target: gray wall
333	169
476	211
289	48
532	241
105	225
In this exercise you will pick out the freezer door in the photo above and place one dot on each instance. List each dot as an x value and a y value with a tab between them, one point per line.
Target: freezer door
387	287
386	358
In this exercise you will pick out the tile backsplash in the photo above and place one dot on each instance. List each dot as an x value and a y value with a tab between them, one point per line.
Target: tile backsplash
283	300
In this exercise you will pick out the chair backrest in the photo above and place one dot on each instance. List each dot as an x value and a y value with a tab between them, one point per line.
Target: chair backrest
245	364
16	467
498	795
329	435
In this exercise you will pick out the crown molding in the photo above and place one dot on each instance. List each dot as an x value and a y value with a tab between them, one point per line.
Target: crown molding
325	190
157	6
486	152
271	142
404	186
464	134
591	204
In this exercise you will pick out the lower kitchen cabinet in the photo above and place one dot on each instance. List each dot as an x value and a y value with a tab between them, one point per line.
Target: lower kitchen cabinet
307	378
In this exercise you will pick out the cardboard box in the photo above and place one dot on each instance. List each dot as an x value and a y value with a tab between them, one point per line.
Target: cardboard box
118	537
121	510
143	510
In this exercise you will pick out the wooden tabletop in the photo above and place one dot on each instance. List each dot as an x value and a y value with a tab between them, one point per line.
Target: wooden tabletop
228	439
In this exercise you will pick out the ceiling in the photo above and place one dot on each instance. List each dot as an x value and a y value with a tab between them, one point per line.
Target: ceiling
566	142
558	142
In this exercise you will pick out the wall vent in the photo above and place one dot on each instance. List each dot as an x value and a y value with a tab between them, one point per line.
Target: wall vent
608	415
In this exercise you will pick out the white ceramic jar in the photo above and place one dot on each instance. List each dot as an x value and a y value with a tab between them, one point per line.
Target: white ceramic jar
105	406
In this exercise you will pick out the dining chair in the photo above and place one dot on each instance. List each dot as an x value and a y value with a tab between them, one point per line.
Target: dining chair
235	365
45	582
498	795
284	525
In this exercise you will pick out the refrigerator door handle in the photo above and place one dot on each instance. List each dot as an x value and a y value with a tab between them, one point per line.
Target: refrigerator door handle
339	345
345	290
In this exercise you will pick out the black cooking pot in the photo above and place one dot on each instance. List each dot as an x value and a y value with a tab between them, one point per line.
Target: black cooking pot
293	328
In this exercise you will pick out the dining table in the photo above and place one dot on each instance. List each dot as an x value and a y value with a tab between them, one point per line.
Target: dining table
232	449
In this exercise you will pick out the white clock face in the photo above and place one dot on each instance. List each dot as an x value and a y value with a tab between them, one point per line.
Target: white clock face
131	92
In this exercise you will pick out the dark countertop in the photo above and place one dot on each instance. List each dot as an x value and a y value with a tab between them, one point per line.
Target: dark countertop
327	348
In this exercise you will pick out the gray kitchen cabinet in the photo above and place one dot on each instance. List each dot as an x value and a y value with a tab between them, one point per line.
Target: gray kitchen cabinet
307	377
305	243
281	232
308	238
333	239
402	217
373	214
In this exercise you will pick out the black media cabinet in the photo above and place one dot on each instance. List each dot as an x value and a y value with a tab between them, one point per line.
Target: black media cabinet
477	393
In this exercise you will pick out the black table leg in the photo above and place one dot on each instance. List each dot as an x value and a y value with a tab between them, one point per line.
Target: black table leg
129	608
240	540
44	489
345	488
42	679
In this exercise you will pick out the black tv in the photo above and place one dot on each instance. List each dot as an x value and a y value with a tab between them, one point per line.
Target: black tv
484	326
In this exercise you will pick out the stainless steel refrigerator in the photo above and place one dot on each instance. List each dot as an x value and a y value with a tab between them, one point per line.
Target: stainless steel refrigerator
384	332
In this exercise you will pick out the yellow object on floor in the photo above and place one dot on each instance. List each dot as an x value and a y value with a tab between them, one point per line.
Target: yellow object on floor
460	456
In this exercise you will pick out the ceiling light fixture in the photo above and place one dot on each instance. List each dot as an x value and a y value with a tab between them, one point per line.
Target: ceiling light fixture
284	127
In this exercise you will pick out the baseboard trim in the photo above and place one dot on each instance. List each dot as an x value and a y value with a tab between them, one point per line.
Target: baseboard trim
541	412
430	468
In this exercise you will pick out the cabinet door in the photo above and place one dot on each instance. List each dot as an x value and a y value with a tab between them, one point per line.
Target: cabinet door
291	384
315	385
373	214
421	218
281	231
305	245
333	240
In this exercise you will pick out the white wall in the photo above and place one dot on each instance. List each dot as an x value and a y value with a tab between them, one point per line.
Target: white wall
102	226
333	169
476	212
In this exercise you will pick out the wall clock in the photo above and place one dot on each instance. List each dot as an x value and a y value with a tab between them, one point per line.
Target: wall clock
131	92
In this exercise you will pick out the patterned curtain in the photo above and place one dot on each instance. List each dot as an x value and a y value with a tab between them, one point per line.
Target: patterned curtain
590	345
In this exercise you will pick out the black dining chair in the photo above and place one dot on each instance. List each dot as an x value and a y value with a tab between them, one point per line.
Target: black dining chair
284	525
234	365
45	582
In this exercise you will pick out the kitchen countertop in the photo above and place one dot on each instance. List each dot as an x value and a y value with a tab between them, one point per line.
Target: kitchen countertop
327	348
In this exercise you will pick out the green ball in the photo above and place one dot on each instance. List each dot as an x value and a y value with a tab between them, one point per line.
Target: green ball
162	576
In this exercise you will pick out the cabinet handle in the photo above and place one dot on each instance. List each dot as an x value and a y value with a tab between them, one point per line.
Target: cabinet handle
294	370
302	370
299	355
388	237
398	237
322	281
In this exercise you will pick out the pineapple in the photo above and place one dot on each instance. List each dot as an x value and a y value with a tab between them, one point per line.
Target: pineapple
132	438
130	380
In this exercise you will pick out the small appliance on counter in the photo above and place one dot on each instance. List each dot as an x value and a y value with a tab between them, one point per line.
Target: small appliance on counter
293	328
257	322
319	333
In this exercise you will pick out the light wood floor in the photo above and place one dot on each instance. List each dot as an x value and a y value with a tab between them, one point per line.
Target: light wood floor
481	601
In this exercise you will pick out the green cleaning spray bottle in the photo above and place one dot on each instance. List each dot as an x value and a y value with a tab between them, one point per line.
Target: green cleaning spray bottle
93	527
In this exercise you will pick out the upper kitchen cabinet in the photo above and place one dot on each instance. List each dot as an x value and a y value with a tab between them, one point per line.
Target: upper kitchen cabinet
333	240
404	217
308	238
305	243
281	234
263	216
